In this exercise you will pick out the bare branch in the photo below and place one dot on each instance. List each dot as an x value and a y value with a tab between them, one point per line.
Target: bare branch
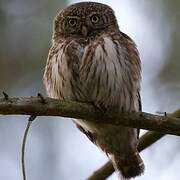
43	106
146	140
102	173
53	107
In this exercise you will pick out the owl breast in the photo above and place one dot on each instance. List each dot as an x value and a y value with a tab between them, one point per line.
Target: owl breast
98	72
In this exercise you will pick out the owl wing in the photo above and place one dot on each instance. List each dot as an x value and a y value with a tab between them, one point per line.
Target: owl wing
133	54
140	109
90	136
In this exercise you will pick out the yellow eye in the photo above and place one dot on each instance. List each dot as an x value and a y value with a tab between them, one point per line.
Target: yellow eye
95	19
72	22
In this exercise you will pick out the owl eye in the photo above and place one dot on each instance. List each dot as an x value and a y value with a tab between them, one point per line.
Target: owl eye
72	22
95	19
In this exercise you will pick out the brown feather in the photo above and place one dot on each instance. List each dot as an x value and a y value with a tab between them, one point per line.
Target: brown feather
103	68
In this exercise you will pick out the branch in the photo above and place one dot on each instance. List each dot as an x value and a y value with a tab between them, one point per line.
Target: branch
54	107
146	140
41	106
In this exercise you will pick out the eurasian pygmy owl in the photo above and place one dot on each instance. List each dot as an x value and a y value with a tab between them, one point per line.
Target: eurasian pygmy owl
92	61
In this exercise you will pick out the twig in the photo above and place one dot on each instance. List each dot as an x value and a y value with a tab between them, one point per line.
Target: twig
5	96
146	140
41	98
30	120
53	107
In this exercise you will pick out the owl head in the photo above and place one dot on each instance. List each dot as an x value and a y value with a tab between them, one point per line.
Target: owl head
85	20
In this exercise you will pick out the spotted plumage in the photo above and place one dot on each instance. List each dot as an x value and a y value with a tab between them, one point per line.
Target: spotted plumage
91	60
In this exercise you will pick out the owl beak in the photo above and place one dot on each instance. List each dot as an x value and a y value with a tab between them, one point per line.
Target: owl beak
84	31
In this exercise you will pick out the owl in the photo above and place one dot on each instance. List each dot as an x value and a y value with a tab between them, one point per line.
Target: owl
92	61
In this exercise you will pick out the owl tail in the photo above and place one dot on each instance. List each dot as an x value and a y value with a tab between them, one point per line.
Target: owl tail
129	166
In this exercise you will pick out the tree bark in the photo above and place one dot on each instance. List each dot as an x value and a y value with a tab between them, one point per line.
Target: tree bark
40	106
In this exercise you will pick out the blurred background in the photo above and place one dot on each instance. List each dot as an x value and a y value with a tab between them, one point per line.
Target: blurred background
56	150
